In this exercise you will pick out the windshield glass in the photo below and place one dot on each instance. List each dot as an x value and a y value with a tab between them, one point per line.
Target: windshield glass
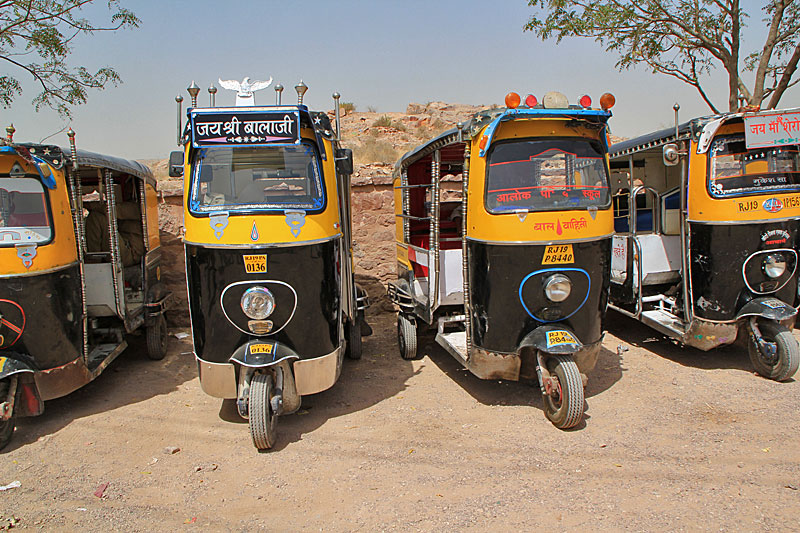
24	217
547	174
250	178
735	171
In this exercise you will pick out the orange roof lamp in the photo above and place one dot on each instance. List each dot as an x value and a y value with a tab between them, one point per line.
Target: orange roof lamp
607	101
512	100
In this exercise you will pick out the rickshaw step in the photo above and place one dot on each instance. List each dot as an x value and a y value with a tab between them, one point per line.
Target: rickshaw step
665	322
455	343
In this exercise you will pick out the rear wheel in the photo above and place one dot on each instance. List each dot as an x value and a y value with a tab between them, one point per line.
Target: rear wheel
406	337
354	340
779	359
263	420
7	426
563	406
157	338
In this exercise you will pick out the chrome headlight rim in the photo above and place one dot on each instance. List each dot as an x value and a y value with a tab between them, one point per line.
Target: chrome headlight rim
257	302
774	265
557	287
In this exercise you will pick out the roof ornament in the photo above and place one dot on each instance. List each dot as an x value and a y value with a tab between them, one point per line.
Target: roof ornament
245	89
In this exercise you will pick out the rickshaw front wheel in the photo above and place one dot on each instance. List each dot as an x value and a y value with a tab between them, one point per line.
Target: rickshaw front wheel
406	337
564	405
157	338
263	420
783	363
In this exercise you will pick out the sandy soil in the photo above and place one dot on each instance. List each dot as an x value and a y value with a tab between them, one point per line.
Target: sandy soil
674	439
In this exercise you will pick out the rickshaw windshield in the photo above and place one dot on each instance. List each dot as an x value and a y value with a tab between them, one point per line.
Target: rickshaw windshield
257	178
733	170
547	174
24	216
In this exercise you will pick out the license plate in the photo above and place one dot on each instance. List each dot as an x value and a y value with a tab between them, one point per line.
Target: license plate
560	337
556	254
255	264
3	362
261	348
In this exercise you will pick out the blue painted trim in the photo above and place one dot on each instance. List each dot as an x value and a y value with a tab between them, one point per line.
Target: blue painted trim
511	114
571	269
50	182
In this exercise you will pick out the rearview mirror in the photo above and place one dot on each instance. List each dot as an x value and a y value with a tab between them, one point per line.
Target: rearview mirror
671	155
344	161
176	164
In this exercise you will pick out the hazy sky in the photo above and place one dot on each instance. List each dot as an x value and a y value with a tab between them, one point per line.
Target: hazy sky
379	53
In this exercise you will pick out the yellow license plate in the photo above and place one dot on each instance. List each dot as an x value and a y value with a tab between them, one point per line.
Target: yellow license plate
261	348
255	264
3	363
556	254
557	338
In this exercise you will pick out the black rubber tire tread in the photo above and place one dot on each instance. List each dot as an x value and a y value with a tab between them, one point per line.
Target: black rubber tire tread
262	420
157	339
406	337
570	412
7	427
788	352
354	346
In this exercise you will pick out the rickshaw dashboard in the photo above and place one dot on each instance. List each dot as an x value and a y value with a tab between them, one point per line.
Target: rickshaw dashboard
24	212
277	177
733	170
546	174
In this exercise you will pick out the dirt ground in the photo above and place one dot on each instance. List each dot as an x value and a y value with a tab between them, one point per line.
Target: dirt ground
674	439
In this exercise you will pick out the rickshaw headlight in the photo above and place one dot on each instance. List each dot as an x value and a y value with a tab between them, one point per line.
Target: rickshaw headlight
258	303
557	287
774	265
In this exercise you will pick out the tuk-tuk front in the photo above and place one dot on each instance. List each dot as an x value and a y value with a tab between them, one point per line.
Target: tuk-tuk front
706	217
503	234
272	296
79	249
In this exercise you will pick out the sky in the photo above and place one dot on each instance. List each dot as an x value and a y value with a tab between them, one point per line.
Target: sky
381	54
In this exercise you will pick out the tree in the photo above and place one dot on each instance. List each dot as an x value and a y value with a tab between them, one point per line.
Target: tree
36	36
685	39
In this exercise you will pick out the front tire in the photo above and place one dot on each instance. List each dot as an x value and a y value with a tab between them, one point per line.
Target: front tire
564	406
783	364
406	337
263	420
157	338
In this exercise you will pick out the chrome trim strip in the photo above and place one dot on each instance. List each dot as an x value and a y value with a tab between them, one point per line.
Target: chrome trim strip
740	222
253	282
514	243
316	375
39	272
762	252
250	246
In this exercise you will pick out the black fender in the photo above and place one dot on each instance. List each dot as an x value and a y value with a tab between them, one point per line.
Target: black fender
552	339
14	363
262	354
769	307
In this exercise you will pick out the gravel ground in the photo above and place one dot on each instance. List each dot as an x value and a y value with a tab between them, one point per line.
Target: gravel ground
674	439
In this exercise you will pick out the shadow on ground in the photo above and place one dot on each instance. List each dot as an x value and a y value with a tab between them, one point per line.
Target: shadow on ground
129	379
628	330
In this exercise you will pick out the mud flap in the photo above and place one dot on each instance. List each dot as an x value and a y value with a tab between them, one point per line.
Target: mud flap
27	400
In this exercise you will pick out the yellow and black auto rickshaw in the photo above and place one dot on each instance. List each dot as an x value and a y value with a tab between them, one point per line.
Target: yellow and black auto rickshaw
272	296
79	268
706	220
503	239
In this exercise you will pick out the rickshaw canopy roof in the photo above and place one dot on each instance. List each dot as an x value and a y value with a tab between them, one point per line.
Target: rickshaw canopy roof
493	117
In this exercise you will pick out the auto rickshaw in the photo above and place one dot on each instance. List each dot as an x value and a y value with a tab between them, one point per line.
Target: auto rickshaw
706	233
272	295
80	268
503	229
